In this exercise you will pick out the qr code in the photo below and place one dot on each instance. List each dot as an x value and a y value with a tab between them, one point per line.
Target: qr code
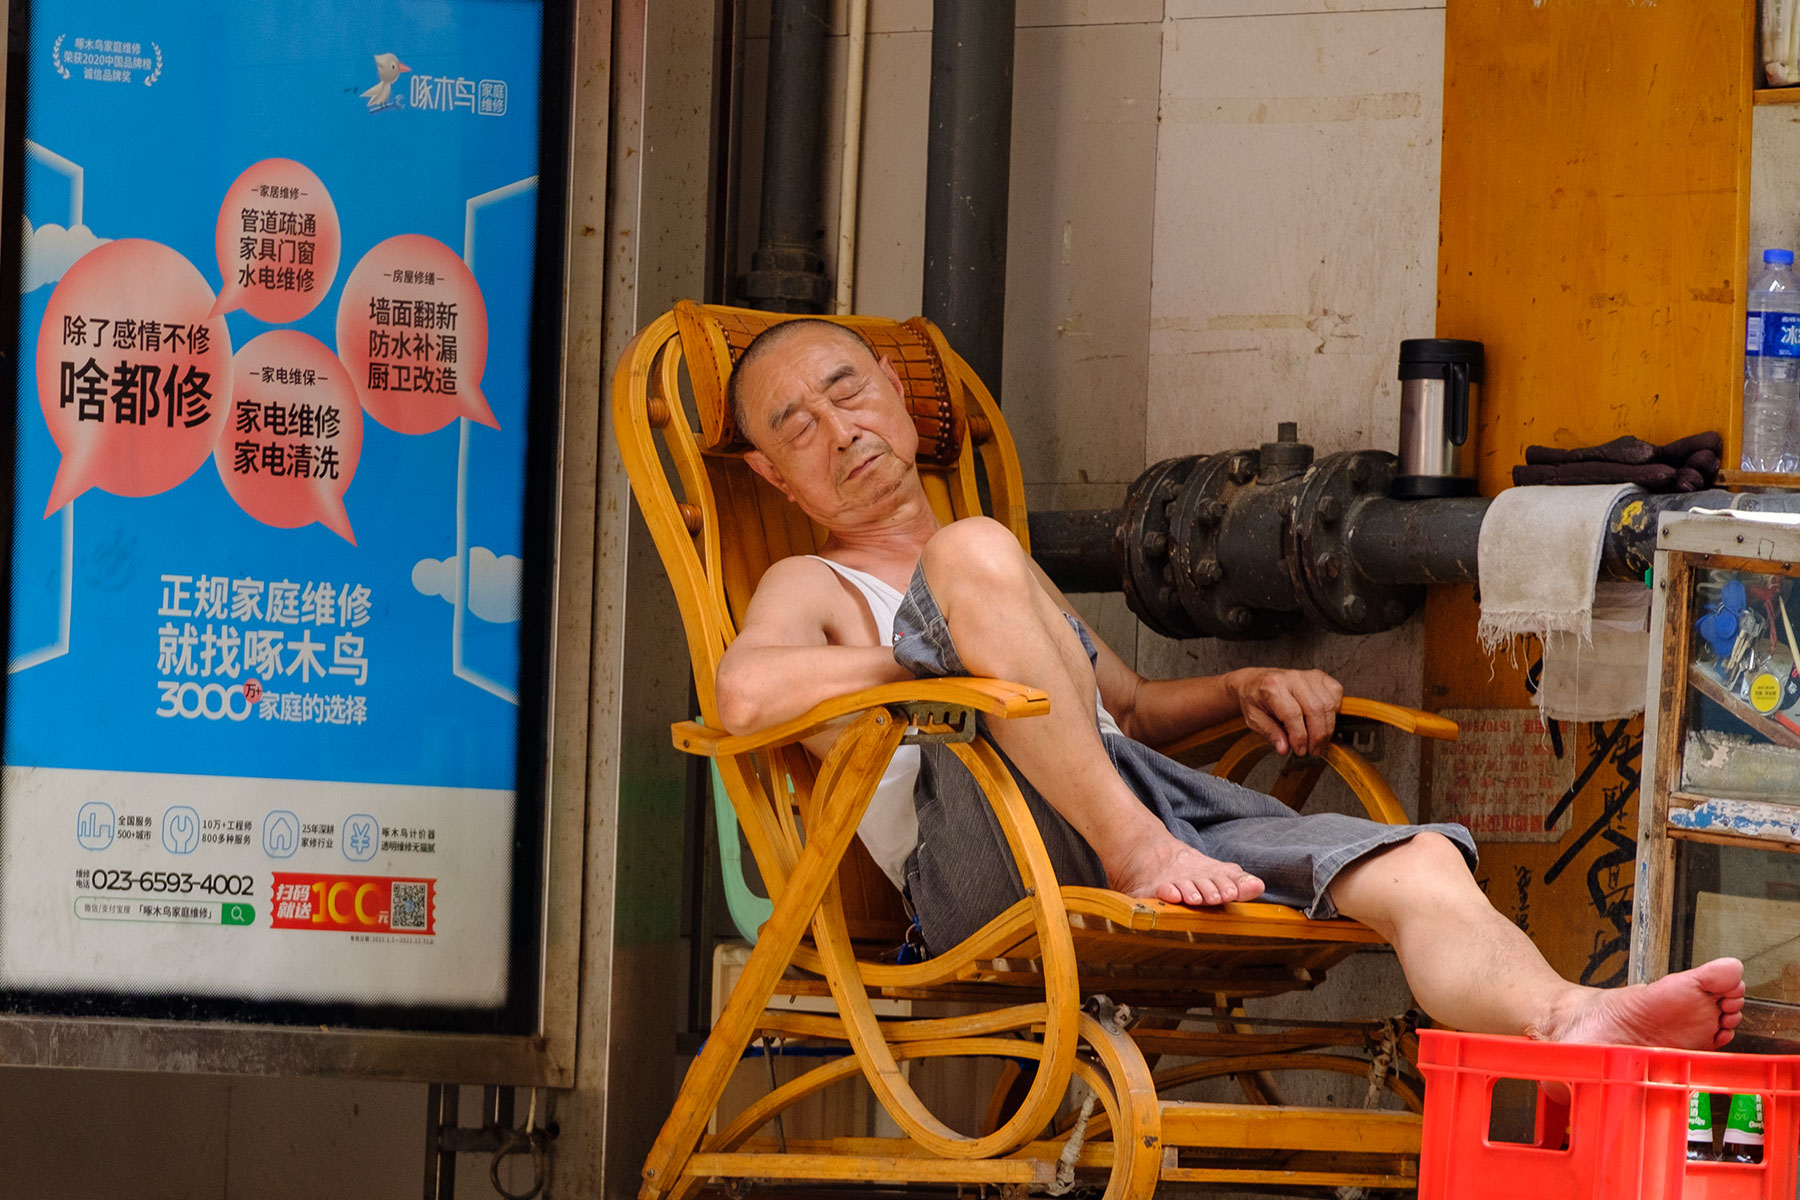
408	906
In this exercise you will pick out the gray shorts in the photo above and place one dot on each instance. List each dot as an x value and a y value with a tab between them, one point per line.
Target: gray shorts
962	875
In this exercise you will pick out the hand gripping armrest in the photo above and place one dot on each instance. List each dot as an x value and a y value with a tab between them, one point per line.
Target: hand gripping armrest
1407	720
991	697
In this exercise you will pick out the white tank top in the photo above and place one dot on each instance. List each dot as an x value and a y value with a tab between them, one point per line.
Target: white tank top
890	827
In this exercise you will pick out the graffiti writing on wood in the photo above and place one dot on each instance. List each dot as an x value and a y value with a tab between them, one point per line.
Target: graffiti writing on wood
1609	875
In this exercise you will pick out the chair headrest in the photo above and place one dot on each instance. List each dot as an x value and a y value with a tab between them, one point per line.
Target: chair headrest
715	337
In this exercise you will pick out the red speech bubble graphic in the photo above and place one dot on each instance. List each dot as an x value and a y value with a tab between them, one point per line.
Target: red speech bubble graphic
132	374
294	437
412	328
278	242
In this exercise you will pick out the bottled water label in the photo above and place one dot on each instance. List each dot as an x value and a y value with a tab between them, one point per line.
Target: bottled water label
1773	335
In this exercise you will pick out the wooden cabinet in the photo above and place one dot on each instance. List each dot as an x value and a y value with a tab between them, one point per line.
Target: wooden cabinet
1719	835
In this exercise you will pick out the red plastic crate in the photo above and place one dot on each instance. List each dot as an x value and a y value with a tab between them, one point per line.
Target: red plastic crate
1623	1135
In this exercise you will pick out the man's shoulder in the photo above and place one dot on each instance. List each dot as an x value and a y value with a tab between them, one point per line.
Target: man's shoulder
796	581
797	571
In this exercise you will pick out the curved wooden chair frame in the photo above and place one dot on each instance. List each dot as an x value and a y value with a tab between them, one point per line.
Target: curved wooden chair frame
717	528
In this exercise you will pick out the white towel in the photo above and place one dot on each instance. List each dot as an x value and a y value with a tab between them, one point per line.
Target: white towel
1539	553
1606	678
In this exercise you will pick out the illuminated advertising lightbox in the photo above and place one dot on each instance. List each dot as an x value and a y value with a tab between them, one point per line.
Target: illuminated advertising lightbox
281	497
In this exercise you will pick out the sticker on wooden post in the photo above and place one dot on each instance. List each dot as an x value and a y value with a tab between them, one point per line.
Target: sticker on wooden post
1502	777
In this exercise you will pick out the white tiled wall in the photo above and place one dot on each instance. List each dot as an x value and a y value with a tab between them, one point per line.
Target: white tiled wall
1296	231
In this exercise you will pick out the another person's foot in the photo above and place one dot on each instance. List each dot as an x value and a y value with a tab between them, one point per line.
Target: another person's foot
1693	1010
1162	867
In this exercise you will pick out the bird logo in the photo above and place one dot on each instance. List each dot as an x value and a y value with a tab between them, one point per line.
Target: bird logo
387	69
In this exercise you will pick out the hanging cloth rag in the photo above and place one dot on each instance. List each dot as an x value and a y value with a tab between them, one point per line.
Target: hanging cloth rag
1538	556
1604	679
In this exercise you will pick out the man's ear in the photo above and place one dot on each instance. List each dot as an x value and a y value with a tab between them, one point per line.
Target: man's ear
759	462
893	376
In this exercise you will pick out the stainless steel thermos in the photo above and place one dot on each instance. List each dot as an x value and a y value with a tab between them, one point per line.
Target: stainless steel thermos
1440	384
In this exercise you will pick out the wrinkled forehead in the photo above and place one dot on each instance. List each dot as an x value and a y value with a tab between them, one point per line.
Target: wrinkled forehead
802	363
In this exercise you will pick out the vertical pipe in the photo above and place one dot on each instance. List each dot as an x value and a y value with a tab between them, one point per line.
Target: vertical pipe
850	157
787	272
728	138
966	174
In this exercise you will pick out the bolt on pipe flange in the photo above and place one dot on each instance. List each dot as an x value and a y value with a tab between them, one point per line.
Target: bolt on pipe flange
1142	549
1226	596
1333	591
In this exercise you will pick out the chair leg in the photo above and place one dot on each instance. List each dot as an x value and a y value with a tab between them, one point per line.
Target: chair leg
1137	1133
870	740
1259	1087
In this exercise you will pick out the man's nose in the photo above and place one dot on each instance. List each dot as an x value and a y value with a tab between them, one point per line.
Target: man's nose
840	428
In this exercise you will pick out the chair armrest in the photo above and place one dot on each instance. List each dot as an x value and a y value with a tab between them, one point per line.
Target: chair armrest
991	697
1407	720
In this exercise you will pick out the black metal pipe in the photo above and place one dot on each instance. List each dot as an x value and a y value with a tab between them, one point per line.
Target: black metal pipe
726	197
787	271
1419	541
1075	548
1435	541
1403	542
966	178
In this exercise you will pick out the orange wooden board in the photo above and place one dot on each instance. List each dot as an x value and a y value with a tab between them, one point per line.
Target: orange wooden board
1595	213
1594	216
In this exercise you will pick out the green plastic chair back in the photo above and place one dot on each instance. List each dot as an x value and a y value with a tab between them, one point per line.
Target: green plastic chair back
749	911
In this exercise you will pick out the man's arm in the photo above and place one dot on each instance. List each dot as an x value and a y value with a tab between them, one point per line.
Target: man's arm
783	661
1295	710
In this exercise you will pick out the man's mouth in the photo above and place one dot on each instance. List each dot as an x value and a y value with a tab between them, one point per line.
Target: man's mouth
858	469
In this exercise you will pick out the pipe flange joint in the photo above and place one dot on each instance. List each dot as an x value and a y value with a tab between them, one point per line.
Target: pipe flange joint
1218	603
1142	549
1333	590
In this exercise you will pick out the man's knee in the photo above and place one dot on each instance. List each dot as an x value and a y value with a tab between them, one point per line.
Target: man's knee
1428	869
1434	856
976	557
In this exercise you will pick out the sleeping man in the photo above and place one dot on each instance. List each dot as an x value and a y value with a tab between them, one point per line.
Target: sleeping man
895	594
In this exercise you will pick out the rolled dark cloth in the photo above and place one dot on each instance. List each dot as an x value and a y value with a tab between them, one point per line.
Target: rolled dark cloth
1652	477
1627	450
1704	463
1681	450
1688	480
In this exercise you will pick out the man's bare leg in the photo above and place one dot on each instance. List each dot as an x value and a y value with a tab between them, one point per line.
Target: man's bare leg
1471	968
1006	626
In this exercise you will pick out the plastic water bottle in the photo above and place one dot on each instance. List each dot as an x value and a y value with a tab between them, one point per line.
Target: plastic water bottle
1772	367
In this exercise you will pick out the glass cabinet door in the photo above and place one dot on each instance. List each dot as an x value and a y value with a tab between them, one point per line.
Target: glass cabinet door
1742	734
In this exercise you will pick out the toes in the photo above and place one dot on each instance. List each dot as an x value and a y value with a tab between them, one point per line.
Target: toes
1191	894
1732	1004
1169	893
1210	891
1249	887
1721	976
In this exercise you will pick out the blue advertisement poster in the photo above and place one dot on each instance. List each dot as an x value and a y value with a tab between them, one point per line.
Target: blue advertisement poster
262	714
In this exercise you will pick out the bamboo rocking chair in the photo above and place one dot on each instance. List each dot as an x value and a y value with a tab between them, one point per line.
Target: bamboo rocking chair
717	528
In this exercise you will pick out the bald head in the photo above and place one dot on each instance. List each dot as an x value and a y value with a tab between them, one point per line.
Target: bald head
767	343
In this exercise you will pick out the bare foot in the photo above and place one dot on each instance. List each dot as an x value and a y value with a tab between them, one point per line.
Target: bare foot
1162	867
1693	1010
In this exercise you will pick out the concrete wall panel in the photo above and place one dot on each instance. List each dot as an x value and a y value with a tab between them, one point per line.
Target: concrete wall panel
1296	224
